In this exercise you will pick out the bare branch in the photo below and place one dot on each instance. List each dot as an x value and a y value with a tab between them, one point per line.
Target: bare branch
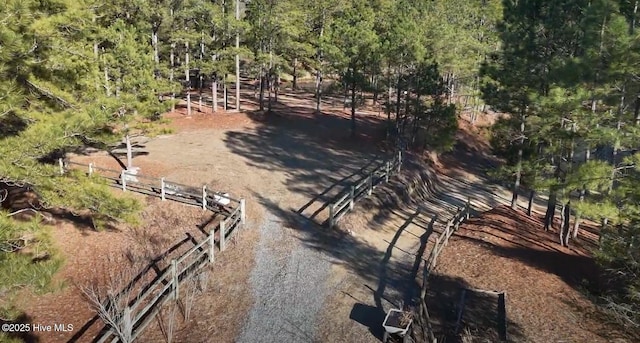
49	94
46	217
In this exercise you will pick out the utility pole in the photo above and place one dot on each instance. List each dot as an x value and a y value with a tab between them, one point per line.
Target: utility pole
237	58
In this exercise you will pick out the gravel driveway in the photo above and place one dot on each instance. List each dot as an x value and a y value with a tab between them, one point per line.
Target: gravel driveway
288	285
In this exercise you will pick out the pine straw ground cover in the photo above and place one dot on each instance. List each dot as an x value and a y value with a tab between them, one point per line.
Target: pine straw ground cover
505	250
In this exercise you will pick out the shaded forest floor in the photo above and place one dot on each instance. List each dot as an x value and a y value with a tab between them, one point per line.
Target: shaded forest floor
505	250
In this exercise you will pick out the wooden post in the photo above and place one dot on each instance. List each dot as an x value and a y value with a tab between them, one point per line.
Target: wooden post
204	197
370	184
351	197
243	214
455	228
386	173
174	277
124	181
61	166
399	160
90	168
162	188
212	245
502	315
435	254
222	242
331	214
127	322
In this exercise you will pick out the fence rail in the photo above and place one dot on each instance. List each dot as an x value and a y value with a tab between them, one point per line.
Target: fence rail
451	227
141	311
347	198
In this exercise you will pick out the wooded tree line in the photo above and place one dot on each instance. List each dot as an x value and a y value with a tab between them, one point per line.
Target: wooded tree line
567	72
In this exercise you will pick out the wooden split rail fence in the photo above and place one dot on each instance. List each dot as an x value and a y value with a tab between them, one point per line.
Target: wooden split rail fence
141	311
347	198
452	226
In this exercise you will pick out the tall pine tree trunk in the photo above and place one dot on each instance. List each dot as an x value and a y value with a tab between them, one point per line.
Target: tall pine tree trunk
636	110
214	86
532	195
516	184
186	72
345	95
129	153
270	77
398	103
319	71
551	209
200	79
154	42
353	102
294	83
107	87
564	225
374	83
172	59
616	147
238	58
225	93
214	93
262	84
407	100
388	109
318	91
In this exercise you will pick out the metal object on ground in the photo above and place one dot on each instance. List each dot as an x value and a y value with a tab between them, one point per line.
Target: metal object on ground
397	323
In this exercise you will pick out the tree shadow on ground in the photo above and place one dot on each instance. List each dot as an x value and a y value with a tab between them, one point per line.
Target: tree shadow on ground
395	279
480	313
316	152
514	235
418	186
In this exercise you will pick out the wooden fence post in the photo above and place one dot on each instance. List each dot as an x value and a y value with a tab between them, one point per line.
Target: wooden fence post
331	214
502	315
127	323
436	251
61	164
174	277
351	197
370	190
162	188
212	245
90	168
243	213
222	242
204	197
124	181
386	173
